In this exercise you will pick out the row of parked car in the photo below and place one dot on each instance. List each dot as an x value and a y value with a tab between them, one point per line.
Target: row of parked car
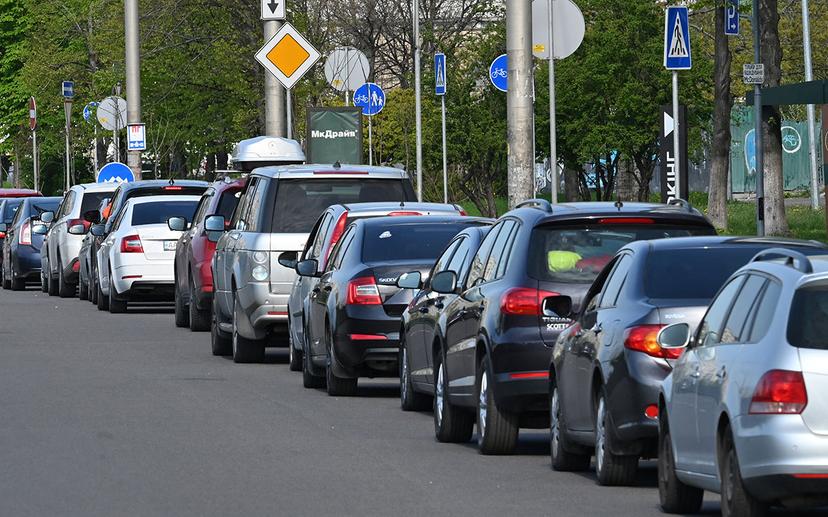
629	330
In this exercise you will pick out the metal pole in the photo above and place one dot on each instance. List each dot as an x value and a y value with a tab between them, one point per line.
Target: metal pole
370	142
553	124
445	150
35	159
95	153
676	139
133	77
415	15
758	131
274	92
67	109
289	98
809	76
519	106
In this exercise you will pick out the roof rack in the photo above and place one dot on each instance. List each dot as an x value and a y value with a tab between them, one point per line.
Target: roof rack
540	204
682	203
792	258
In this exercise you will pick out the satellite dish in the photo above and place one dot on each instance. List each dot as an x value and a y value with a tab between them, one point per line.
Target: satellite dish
346	69
112	113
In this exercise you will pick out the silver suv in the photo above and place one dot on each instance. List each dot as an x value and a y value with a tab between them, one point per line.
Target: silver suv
744	412
276	212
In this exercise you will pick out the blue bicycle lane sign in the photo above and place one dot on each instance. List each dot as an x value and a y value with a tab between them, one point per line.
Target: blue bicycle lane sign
370	98
498	72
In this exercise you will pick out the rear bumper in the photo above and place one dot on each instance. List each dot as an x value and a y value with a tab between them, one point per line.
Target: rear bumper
366	343
26	262
266	312
521	373
146	278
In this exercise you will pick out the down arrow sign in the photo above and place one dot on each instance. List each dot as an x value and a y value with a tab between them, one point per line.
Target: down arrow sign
273	6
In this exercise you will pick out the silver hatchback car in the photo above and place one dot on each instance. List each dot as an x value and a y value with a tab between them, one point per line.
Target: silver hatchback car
276	212
744	412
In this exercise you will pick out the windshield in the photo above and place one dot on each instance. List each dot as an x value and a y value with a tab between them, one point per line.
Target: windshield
808	320
577	255
300	202
158	213
389	242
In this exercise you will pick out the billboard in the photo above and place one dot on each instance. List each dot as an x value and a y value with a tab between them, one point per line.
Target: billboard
334	135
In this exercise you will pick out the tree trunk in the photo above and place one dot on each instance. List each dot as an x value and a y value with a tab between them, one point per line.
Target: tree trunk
17	169
723	104
625	184
776	222
221	161
571	184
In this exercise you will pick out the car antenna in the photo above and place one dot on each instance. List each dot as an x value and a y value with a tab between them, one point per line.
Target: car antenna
619	204
337	165
172	180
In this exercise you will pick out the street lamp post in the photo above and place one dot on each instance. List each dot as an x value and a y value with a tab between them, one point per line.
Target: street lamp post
133	78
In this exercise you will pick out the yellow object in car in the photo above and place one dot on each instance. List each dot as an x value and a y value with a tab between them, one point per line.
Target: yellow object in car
558	261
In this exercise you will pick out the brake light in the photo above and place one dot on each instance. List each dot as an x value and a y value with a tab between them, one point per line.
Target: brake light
524	301
368	337
363	291
338	230
643	339
25	234
2	235
810	476
395	214
131	244
779	392
627	220
323	173
171	187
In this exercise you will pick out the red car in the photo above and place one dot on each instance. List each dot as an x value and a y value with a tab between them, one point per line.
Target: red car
194	253
19	192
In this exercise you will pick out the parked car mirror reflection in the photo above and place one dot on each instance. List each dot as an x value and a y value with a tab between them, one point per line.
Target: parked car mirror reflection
98	230
77	229
444	282
289	259
308	267
47	217
557	306
177	224
411	280
674	336
40	229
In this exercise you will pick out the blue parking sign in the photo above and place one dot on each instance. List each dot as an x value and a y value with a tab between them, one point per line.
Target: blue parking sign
732	18
440	74
115	172
677	55
370	98
498	72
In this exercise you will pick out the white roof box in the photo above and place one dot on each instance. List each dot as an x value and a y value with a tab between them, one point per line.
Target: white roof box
266	150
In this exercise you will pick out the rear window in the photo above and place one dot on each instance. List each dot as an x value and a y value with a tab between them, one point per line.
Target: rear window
93	200
10	208
38	207
158	213
407	241
808	320
227	203
577	255
299	203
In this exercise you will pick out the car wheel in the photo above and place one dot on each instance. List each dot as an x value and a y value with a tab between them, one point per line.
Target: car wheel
736	501
102	300
116	305
83	289
44	283
309	380
337	386
673	494
220	341
295	362
497	431
245	350
17	284
65	289
181	311
451	423
51	282
611	469
410	400
199	318
93	288
562	459
7	281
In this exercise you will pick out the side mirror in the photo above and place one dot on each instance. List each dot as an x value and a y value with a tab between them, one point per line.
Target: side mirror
289	259
214	227
47	217
444	282
92	216
412	280
675	336
98	230
558	306
77	229
308	267
177	224
40	229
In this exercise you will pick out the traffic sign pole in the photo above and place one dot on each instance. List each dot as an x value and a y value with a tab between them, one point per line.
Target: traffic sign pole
274	92
289	102
677	56
440	74
133	78
676	140
759	138
33	127
445	158
415	15
809	76
553	140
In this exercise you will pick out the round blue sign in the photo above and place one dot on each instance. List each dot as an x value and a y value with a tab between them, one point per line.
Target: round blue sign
370	98
115	172
87	110
497	72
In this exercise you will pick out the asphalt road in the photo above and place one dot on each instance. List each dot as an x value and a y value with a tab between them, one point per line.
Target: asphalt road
127	415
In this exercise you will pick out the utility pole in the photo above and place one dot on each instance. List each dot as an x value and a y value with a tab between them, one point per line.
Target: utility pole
809	76
553	141
519	105
274	92
133	78
758	132
418	108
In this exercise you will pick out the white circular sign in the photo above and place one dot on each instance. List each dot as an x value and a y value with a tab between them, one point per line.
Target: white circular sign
112	113
346	69
569	28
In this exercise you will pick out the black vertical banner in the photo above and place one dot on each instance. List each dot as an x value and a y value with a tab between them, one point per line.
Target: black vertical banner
667	156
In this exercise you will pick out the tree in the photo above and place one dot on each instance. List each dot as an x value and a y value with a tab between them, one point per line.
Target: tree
723	104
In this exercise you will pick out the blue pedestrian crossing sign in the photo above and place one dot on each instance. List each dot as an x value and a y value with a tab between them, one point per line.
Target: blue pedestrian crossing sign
440	74
732	18
677	54
370	98
498	72
115	172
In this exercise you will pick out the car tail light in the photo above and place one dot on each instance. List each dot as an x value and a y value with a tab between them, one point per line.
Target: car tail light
171	187
368	337
524	301
2	235
779	392
643	339
75	266
363	291
356	173
131	244
810	476
402	213
529	375
627	220
338	230
25	234
74	222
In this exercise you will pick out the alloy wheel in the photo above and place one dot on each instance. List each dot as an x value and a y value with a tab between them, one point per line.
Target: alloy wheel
483	405
439	395
555	424
600	435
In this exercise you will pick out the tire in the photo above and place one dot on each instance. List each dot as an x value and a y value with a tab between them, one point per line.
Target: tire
736	501
182	314
410	400
674	496
93	289
101	299
309	380
245	350
51	282
116	305
451	424
17	284
44	283
199	318
337	386
65	289
497	431
295	362
220	341
7	281
611	469
563	460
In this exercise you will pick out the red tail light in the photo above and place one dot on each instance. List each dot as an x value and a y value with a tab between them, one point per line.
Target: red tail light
627	220
363	291
524	301
131	244
2	235
463	212
25	237
779	392
338	230
75	266
171	187
402	213
643	339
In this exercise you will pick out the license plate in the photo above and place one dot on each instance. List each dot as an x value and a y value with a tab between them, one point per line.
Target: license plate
170	245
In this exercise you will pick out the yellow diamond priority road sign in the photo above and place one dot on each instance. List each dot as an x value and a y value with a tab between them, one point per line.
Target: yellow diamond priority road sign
288	55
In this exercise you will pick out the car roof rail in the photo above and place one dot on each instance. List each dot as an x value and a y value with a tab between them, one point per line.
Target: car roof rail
540	204
682	203
794	259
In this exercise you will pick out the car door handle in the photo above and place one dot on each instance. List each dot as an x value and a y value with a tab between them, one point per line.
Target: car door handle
722	373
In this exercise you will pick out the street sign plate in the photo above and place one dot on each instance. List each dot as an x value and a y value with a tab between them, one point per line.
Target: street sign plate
136	137
32	114
753	73
288	56
68	89
87	111
498	72
273	9
677	53
569	28
732	18
115	172
370	98
440	73
346	69
112	113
